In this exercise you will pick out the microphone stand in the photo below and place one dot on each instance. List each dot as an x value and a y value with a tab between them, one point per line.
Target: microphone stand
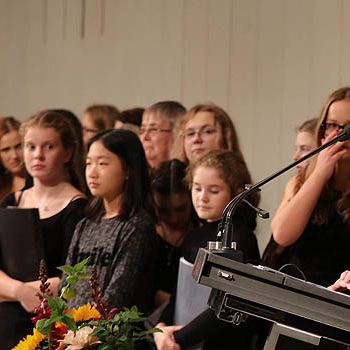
226	226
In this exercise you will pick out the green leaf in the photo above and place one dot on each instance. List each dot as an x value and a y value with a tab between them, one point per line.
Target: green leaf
66	269
81	265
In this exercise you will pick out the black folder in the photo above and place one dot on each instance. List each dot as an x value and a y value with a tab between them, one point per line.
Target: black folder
21	243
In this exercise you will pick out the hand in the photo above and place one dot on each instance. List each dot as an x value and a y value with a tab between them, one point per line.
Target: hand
343	283
165	340
26	294
328	158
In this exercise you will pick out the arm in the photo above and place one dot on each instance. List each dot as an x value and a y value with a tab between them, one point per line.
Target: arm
164	340
14	290
295	211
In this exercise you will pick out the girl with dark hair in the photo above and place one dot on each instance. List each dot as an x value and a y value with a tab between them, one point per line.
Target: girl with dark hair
51	158
175	217
118	234
318	202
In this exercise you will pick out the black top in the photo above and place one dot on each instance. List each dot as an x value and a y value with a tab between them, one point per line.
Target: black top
57	232
243	236
167	266
322	251
206	327
124	253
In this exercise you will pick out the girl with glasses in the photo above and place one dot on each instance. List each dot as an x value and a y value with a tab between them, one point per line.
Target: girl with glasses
318	202
204	127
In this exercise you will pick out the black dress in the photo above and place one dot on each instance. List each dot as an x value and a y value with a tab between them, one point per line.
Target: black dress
57	231
167	266
322	251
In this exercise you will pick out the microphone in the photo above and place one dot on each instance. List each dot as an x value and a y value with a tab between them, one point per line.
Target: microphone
226	221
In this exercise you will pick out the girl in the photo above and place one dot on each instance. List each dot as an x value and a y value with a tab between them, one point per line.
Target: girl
97	118
204	127
304	142
215	179
12	171
317	203
275	255
175	217
51	159
117	234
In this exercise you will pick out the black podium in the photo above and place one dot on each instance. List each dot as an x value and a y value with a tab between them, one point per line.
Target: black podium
304	314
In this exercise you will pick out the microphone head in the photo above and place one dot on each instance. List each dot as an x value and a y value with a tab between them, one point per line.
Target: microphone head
345	135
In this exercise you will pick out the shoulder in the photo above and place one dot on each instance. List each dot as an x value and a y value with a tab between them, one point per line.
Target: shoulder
141	220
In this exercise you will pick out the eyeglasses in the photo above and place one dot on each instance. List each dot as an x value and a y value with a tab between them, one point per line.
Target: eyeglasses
203	133
90	130
153	131
330	127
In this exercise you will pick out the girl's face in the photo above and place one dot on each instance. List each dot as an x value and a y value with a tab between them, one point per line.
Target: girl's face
304	143
105	172
89	128
210	193
11	156
201	135
338	117
44	154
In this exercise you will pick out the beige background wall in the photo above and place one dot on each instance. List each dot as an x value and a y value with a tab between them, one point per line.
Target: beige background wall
270	63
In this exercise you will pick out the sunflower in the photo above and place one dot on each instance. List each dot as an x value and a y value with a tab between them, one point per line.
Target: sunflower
84	313
30	342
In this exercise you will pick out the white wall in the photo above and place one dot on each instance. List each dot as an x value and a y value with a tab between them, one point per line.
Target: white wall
270	63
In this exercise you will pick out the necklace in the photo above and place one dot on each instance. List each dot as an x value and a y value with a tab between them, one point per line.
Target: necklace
45	208
171	245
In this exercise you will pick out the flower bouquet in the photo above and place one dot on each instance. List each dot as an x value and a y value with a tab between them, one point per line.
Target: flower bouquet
90	326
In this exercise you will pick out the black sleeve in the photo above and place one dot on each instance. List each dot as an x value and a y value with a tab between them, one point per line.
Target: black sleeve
217	334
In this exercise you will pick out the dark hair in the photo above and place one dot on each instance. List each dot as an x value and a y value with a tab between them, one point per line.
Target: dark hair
169	177
131	116
78	130
127	147
64	128
103	116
